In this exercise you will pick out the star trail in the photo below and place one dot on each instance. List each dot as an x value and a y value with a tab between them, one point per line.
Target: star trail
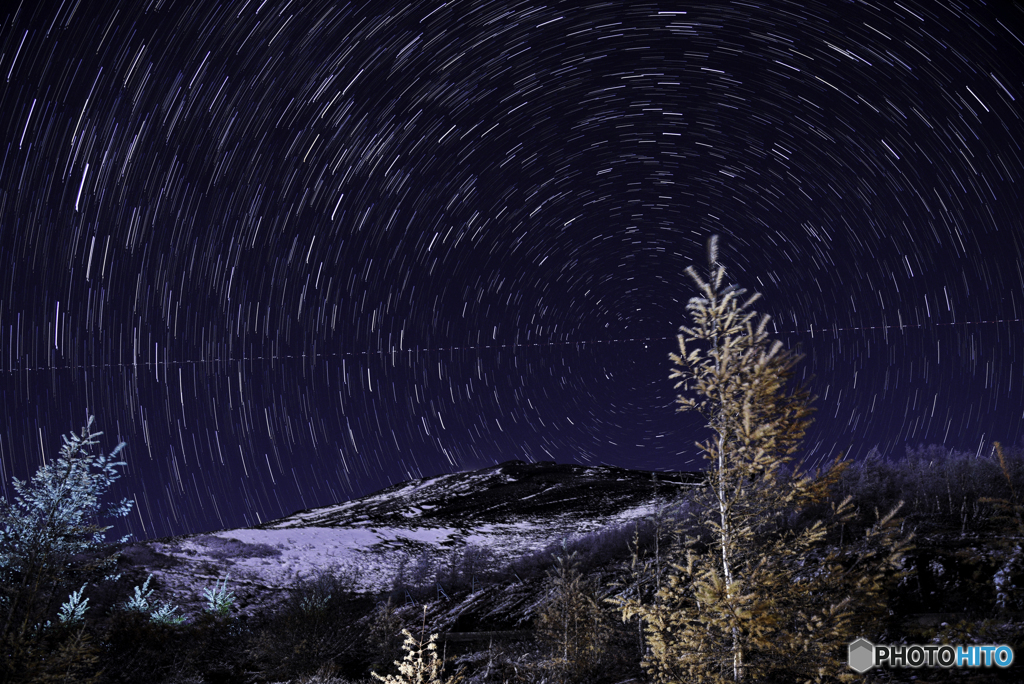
294	251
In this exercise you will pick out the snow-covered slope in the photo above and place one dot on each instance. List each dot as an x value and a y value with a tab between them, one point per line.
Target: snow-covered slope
497	514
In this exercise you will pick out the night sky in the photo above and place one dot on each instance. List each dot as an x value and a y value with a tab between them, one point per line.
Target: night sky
294	251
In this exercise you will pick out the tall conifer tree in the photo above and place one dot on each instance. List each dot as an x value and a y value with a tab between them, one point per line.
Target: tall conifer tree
758	596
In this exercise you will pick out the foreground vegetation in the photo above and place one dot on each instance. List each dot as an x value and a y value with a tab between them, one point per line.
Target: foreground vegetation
962	584
763	574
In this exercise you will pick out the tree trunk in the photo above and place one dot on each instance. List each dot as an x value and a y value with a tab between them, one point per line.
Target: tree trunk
737	651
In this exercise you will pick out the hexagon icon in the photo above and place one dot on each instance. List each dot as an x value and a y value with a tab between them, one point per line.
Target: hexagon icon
862	655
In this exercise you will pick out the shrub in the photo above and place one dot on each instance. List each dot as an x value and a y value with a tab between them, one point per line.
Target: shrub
320	623
219	599
421	664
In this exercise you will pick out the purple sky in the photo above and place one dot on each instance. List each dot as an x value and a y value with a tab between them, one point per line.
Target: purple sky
294	251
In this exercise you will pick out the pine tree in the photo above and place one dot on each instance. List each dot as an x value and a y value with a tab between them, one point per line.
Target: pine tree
51	520
758	596
385	634
571	622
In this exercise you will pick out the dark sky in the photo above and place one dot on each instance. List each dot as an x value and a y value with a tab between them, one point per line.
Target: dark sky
293	251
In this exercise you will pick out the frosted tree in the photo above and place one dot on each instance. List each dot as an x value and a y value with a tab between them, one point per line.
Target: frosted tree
52	518
758	595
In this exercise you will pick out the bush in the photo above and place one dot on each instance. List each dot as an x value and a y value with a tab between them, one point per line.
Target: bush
321	623
139	648
421	664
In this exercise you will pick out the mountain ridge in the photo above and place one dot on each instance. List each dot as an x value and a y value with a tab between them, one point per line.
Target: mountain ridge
496	489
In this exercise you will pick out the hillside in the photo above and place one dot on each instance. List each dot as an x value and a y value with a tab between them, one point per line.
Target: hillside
470	555
496	516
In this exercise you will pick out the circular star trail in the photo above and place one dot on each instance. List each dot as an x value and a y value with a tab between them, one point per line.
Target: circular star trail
293	251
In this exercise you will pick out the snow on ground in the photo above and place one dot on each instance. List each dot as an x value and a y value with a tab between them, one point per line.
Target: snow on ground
406	530
272	560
